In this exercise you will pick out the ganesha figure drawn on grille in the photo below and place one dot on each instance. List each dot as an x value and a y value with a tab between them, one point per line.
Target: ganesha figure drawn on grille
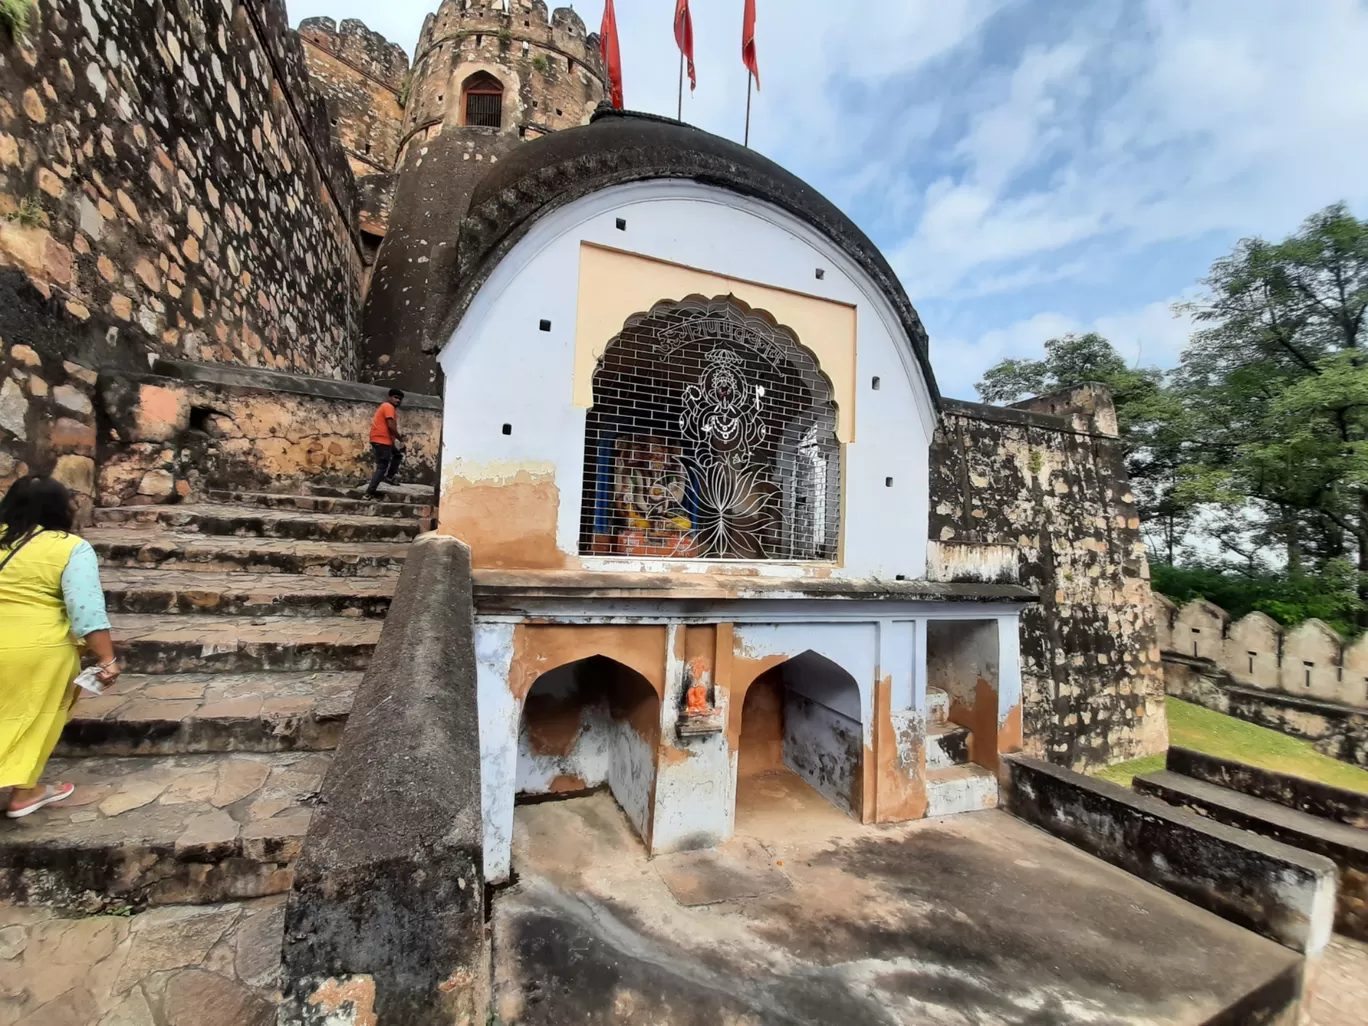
651	490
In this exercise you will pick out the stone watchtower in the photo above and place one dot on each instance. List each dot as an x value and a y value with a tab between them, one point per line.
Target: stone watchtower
487	76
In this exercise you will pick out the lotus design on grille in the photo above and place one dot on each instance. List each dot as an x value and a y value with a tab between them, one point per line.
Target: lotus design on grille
736	504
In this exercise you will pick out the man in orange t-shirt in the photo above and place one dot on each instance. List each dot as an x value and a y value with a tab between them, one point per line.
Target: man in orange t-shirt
385	442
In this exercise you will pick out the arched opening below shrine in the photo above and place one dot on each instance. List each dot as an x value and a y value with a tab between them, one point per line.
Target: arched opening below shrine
962	676
591	724
801	736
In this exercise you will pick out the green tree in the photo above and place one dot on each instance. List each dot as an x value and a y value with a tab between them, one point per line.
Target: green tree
1150	419
1275	391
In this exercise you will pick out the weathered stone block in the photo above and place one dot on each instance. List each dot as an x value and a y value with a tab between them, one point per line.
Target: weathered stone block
388	896
73	399
157	484
13	409
26	356
76	472
71	434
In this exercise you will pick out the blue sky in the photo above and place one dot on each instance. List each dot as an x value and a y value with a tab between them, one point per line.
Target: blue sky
1029	167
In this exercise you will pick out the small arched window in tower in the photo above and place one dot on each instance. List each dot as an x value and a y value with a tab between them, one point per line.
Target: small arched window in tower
482	99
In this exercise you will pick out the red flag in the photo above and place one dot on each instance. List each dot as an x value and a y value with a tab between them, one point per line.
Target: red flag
612	55
684	37
748	55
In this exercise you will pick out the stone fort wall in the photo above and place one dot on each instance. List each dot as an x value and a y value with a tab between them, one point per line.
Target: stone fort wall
364	79
1310	659
169	187
1038	494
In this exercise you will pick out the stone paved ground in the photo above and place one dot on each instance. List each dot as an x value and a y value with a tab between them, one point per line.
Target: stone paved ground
975	920
179	965
1342	990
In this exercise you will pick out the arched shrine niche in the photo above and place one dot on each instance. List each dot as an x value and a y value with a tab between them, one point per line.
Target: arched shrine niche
712	436
588	724
801	732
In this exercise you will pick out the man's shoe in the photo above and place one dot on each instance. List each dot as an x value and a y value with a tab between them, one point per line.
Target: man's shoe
392	481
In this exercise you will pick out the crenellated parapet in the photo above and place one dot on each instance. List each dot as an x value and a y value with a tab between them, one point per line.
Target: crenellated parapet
368	53
1310	659
546	63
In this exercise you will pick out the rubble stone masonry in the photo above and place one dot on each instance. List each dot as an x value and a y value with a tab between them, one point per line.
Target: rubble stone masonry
1042	498
364	79
169	187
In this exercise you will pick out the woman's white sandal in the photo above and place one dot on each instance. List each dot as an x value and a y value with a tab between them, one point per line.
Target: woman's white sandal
54	794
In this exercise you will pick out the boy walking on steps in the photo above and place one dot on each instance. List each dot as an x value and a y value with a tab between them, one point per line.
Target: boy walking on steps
385	443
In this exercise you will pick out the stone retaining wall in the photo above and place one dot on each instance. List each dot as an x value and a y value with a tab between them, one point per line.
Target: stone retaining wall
169	438
168	187
1309	660
1339	731
1274	889
1331	803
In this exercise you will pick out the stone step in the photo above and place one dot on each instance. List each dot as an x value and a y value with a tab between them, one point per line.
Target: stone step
174	643
937	706
947	745
130	546
189	829
1346	846
425	494
249	522
199	713
326	504
142	590
959	789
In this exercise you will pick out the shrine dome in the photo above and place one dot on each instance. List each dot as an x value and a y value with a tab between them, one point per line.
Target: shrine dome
620	148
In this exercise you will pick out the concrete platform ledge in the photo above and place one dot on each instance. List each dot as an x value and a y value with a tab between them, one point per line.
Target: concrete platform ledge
1316	799
1263	885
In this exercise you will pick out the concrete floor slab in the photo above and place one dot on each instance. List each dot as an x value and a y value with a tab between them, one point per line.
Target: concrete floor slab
977	920
711	877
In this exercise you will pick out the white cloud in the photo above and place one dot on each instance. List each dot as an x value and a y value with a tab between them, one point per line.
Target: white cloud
1149	336
1027	165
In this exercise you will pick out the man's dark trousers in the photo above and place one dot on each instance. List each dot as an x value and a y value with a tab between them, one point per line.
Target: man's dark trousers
387	460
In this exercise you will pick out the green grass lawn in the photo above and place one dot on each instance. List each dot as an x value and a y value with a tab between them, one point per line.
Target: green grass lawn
1191	726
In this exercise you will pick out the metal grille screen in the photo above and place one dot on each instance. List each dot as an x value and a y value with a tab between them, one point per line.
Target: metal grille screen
484	109
713	436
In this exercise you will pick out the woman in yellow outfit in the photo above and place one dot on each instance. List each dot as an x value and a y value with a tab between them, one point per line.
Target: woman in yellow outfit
50	596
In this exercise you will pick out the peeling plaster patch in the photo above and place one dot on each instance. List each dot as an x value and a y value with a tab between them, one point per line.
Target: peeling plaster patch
505	511
962	563
345	1002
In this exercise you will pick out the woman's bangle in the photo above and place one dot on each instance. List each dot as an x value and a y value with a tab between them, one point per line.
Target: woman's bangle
105	666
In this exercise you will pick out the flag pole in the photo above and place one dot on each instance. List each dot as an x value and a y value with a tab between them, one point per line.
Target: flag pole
681	86
750	84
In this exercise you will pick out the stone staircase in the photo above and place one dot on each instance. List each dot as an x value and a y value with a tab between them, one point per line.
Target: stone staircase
244	625
953	783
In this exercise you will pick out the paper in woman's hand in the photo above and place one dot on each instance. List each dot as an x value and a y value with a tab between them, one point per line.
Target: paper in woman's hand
89	678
